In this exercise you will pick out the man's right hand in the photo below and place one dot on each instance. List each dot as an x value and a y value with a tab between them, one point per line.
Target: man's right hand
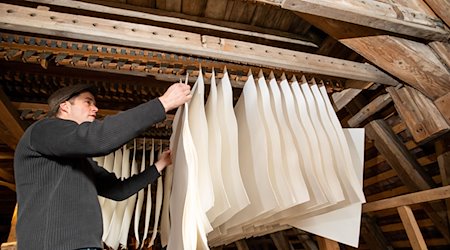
176	95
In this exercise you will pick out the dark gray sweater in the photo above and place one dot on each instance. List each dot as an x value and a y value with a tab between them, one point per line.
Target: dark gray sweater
57	182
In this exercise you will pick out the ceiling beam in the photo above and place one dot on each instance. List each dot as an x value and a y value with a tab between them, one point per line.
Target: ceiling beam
429	195
159	16
14	127
391	17
123	33
441	8
412	62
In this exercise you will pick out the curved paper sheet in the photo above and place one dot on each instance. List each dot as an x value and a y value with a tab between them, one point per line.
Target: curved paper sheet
112	239
131	202
289	153
158	203
278	171
109	205
140	201
341	225
221	203
199	130
148	207
349	170
325	147
237	196
253	159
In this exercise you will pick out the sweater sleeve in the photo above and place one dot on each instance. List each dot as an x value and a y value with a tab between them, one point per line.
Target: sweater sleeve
109	186
65	138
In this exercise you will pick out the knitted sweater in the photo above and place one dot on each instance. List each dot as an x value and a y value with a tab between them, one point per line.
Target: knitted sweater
57	182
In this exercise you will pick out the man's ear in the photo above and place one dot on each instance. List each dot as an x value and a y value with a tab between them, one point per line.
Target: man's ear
64	107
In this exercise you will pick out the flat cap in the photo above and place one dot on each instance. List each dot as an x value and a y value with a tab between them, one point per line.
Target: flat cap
64	94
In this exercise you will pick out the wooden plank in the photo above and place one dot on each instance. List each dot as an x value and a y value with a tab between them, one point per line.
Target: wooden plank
341	99
443	51
12	232
372	234
10	119
412	62
398	157
423	119
9	185
408	199
412	228
390	17
174	5
279	240
443	159
374	106
327	244
241	245
138	35
441	8
409	171
442	104
185	20
194	8
216	9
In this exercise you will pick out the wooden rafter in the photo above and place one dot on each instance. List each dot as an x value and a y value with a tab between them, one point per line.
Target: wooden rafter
407	168
391	17
434	194
127	10
14	127
129	34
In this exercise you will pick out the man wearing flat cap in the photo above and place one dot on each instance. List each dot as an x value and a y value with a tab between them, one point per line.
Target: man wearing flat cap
57	181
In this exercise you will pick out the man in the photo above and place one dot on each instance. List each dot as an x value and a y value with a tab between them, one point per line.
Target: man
57	181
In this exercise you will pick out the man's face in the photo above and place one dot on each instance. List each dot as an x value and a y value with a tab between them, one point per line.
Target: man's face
82	108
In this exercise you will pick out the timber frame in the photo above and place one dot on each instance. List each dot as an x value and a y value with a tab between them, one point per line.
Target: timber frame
386	63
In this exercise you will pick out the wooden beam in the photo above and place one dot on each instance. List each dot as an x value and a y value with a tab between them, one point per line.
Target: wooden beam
9	185
408	199
145	36
442	104
443	159
11	121
241	245
327	244
12	232
341	99
408	170
159	16
390	17
370	109
6	155
441	8
443	51
420	114
279	240
412	62
372	234
398	157
412	228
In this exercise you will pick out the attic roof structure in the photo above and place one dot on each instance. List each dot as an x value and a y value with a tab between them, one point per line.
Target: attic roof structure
385	65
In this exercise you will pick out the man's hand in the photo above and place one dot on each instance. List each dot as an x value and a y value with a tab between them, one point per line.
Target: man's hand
165	159
176	95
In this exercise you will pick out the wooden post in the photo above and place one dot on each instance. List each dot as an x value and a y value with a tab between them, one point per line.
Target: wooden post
241	245
423	119
372	234
370	109
443	159
279	240
412	228
407	168
327	244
